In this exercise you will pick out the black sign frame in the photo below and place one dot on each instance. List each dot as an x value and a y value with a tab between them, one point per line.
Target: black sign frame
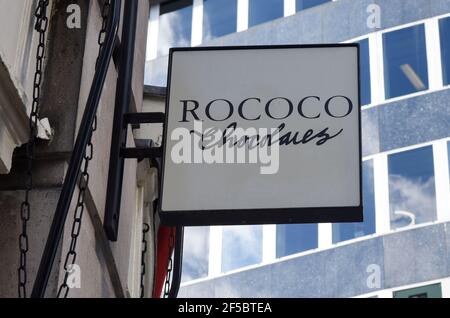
302	215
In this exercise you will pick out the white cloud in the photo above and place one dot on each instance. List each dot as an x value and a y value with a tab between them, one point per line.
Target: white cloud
244	245
171	31
195	252
414	196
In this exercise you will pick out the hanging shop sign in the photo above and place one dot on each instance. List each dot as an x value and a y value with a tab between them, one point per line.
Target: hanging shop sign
261	135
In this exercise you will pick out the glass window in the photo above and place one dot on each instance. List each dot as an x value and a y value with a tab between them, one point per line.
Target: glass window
412	191
348	231
219	18
295	238
261	11
305	4
430	291
241	246
364	59
444	26
195	253
405	61
175	25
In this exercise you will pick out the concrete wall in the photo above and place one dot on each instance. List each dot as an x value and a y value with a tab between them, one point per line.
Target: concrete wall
410	256
106	267
406	257
331	23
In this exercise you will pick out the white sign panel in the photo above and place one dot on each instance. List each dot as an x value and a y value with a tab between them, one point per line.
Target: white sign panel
262	135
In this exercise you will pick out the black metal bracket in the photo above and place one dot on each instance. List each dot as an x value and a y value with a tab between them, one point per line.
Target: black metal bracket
177	262
141	152
119	130
119	152
122	119
144	118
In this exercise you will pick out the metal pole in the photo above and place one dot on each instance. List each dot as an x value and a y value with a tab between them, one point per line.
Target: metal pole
119	132
177	263
62	209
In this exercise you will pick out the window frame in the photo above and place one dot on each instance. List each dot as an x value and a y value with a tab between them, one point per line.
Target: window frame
439	49
317	5
377	99
265	21
385	34
171	7
204	39
434	176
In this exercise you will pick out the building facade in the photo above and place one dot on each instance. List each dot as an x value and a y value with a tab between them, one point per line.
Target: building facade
402	247
105	268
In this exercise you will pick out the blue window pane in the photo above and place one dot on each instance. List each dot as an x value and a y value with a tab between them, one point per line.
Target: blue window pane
241	246
295	238
405	61
305	4
219	18
195	253
366	96
261	11
444	25
348	231
175	25
412	193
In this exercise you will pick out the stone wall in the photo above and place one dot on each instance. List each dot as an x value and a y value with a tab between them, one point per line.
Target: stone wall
107	269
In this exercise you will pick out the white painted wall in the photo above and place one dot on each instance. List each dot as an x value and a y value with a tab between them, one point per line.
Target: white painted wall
17	46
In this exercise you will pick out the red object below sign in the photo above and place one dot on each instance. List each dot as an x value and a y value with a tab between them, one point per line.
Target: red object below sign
163	250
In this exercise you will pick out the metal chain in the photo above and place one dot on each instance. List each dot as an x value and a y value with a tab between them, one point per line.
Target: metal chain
145	230
71	256
41	26
167	284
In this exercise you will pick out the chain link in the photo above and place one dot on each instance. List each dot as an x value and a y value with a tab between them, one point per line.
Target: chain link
41	26
145	230
71	255
167	284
